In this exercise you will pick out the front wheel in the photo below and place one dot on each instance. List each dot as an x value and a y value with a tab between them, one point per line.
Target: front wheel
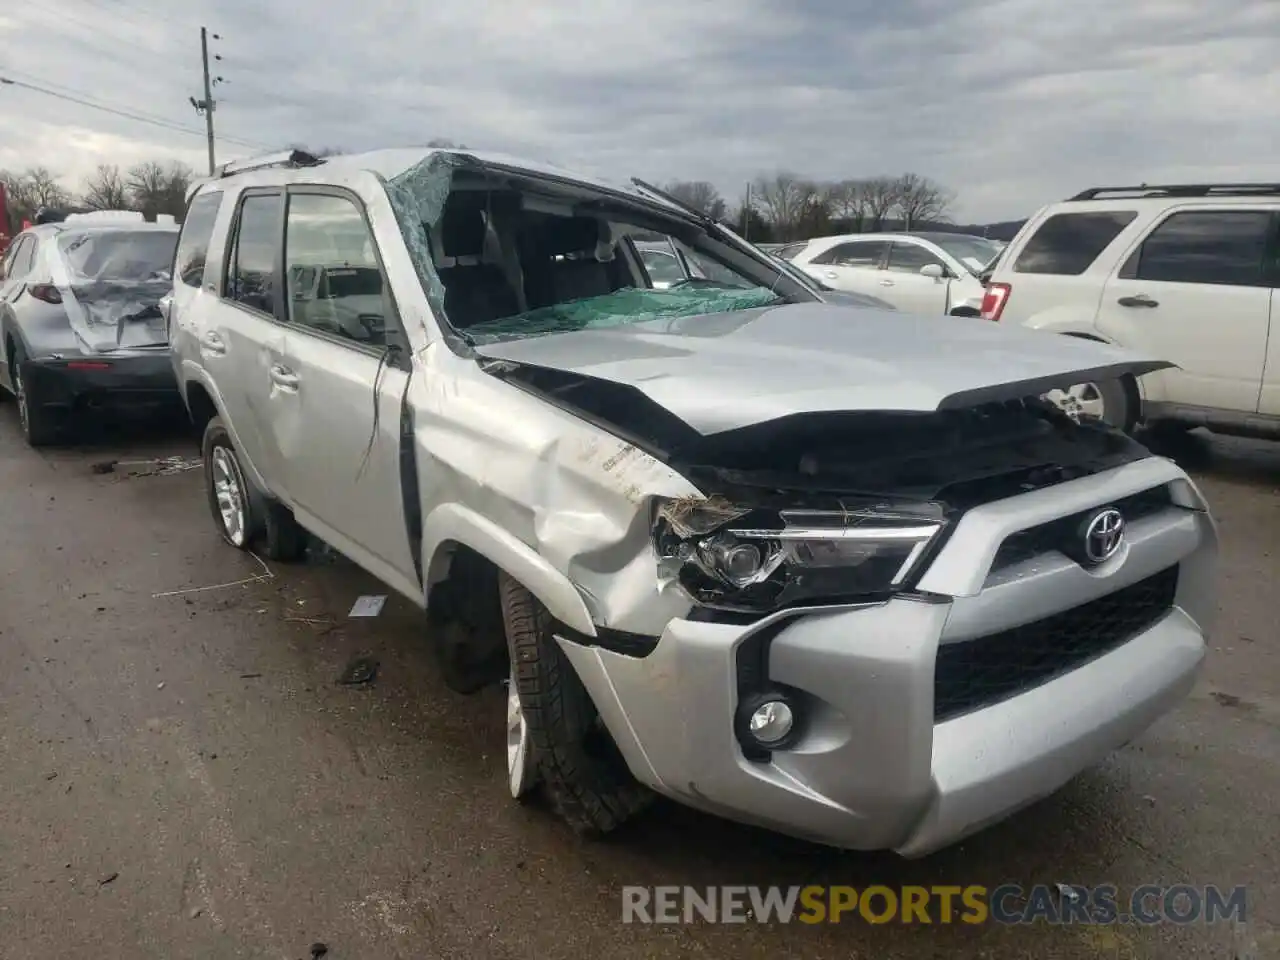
554	734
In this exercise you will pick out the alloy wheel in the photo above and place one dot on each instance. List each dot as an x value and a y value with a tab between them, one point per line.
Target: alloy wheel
229	494
519	749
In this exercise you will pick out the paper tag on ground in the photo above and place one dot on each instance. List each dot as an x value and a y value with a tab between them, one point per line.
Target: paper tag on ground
367	607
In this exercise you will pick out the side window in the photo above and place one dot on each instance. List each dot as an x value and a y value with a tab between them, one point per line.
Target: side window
11	258
866	253
251	268
23	258
1205	246
193	244
910	257
1067	243
335	284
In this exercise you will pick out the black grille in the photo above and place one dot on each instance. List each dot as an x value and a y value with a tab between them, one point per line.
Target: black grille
1060	533
977	673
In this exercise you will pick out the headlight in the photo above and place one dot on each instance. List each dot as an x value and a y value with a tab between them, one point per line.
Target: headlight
759	560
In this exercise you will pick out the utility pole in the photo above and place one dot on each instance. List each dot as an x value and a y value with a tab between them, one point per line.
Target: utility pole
206	106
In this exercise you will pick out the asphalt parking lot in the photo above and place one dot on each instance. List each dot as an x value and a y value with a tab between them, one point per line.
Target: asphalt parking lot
183	777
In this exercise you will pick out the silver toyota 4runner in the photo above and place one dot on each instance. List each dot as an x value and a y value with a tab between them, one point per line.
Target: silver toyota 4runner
840	572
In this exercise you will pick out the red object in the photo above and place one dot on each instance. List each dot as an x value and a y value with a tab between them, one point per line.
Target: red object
88	365
46	292
993	301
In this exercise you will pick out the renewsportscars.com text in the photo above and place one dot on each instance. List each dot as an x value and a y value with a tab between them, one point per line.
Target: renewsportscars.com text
1007	904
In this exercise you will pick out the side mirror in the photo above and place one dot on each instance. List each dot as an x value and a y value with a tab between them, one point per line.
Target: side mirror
933	271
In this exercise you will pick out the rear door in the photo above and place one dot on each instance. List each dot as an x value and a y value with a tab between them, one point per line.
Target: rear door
905	287
1269	394
852	266
241	334
17	262
1195	291
344	373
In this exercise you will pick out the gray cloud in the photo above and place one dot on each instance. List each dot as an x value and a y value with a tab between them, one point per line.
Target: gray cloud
1012	103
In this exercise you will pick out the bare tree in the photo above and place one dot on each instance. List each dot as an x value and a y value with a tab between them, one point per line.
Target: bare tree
792	204
701	196
105	189
155	189
32	189
920	200
847	201
880	195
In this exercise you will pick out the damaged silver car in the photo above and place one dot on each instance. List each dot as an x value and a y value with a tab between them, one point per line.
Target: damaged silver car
838	572
80	320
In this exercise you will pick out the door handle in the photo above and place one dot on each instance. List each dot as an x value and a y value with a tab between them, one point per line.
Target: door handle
886	283
212	343
832	275
1141	300
283	377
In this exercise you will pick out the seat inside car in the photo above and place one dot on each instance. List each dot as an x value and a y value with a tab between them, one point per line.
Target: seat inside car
477	288
568	258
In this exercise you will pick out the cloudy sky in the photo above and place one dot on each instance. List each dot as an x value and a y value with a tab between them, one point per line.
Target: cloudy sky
1011	103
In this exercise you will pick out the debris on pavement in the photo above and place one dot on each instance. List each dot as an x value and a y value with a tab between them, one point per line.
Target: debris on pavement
195	912
318	950
266	574
1069	893
359	671
157	467
250	676
51	776
368	606
110	878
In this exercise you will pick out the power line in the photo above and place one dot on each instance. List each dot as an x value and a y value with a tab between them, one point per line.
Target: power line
120	112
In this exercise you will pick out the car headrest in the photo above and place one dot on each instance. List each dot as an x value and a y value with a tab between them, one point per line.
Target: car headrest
563	235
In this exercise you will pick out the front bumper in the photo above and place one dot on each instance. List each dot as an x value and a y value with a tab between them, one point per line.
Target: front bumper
873	768
143	379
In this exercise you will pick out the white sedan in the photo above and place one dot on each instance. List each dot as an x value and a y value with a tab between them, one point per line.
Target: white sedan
928	273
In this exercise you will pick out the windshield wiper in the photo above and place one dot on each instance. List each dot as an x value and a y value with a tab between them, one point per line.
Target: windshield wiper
659	192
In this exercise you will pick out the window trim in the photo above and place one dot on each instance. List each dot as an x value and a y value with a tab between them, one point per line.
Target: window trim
1269	278
400	360
232	244
173	270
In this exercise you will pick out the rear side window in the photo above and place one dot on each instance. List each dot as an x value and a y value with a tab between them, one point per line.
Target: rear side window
1206	246
251	267
867	253
22	258
1067	243
193	245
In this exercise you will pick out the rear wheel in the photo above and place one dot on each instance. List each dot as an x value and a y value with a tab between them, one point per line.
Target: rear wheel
1106	400
233	509
554	734
40	426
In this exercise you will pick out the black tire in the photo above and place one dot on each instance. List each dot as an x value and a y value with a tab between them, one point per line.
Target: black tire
41	427
283	539
1119	410
580	768
217	438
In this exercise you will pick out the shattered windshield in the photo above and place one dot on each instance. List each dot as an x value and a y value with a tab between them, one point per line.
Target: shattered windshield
505	254
118	255
619	308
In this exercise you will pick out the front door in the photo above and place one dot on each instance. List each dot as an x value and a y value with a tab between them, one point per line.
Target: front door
344	371
906	287
1195	292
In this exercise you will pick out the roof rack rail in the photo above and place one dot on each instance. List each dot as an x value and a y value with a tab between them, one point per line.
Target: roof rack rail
1182	190
285	158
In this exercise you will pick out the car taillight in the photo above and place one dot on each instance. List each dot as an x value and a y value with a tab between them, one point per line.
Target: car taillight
45	291
994	299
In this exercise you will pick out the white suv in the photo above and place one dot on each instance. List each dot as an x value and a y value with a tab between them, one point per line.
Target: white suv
834	570
1187	273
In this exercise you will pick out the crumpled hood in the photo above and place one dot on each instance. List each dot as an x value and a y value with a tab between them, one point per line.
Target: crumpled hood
726	371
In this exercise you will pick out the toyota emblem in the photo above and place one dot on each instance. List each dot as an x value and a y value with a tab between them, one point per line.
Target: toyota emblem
1103	535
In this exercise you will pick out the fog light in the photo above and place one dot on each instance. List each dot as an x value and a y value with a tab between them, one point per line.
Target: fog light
771	722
